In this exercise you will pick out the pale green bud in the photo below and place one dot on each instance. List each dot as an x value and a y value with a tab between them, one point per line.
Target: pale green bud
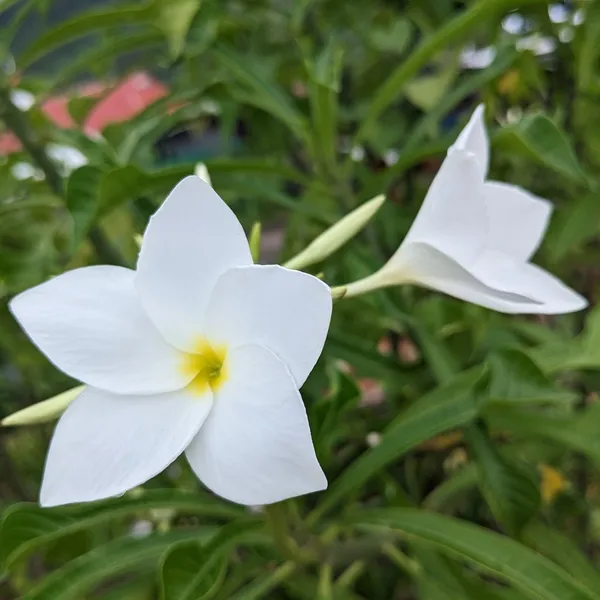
337	235
43	412
202	172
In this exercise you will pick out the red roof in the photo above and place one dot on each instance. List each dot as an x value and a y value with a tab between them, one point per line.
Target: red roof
121	103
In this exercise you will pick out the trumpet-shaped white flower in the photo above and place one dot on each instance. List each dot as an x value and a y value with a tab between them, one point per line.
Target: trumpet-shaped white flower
473	239
198	352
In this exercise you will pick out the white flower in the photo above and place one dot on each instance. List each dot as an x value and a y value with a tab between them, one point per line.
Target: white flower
198	351
473	238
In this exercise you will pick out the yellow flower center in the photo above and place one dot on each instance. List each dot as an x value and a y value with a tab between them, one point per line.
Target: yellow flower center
207	366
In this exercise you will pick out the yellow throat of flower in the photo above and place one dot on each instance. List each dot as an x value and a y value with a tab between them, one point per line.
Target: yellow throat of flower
207	366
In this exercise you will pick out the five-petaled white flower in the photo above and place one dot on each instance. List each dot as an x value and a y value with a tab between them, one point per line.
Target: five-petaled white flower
473	238
198	351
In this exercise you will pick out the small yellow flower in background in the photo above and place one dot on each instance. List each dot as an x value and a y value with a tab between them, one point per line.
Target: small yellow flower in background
552	483
198	351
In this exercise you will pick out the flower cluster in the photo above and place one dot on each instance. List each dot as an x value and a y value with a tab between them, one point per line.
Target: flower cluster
201	352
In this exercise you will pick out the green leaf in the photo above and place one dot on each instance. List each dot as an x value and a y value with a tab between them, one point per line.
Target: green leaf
105	52
120	185
191	571
27	527
579	433
80	26
120	556
535	576
83	197
440	499
509	487
175	17
188	572
453	31
515	377
427	91
463	89
573	226
449	406
265	584
262	91
563	551
393	37
582	352
323	89
538	137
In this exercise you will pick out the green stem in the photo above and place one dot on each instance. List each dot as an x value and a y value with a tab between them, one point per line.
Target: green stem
411	567
453	31
278	520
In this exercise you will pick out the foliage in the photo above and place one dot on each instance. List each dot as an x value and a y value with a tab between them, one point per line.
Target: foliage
461	445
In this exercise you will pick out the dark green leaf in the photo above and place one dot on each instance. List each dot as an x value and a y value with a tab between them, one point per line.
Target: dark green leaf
189	573
192	571
449	406
83	196
563	551
26	527
82	25
509	487
122	555
515	377
262	91
535	576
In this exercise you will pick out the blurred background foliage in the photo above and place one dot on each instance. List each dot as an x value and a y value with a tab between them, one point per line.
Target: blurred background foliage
462	446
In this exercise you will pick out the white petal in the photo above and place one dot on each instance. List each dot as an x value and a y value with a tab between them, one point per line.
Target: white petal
286	311
105	444
549	294
90	324
190	241
474	138
453	217
255	447
431	268
518	220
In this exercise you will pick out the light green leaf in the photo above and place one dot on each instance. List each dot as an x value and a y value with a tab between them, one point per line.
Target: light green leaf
538	137
573	226
323	89
509	487
427	91
393	37
174	17
43	412
533	575
27	527
463	88
581	352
